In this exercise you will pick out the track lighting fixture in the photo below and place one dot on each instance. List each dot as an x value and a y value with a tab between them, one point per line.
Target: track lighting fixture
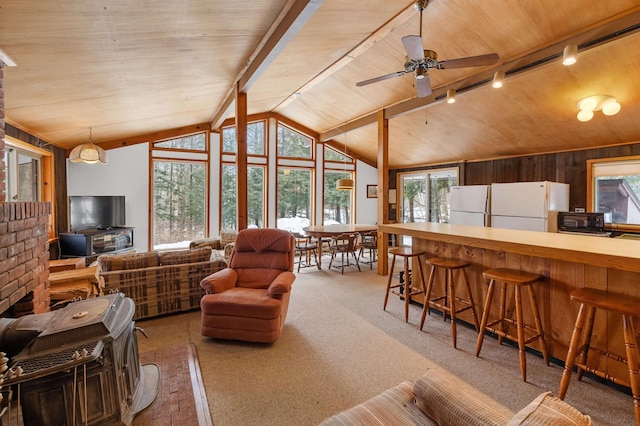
570	54
451	96
498	79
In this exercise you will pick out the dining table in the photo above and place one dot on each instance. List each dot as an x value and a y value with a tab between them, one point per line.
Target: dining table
323	231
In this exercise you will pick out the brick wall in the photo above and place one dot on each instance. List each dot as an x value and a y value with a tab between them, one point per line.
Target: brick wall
3	177
24	249
24	258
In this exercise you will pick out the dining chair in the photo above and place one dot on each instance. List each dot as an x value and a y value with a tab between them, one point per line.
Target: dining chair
368	242
344	244
305	248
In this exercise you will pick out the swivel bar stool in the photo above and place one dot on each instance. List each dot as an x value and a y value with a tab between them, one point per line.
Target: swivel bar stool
408	288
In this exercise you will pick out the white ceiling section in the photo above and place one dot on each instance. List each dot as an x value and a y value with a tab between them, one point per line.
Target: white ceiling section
129	69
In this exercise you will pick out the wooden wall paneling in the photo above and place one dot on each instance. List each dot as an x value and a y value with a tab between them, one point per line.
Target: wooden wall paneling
566	167
477	173
610	324
476	282
564	277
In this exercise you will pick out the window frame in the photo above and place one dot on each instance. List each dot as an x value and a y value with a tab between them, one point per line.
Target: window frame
46	176
179	155
592	182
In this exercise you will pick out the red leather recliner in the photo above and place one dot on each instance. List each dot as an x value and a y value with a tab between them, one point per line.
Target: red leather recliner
249	299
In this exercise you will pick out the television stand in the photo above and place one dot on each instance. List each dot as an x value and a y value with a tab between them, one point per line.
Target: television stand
94	242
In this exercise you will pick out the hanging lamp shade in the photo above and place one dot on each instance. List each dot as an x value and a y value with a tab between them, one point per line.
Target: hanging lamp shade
344	184
89	153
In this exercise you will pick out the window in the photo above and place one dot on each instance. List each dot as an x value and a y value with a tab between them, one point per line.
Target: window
337	203
256	196
29	175
614	189
425	195
179	188
293	144
229	194
23	174
196	142
294	198
255	139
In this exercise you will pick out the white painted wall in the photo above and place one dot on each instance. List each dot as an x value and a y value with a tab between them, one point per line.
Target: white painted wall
126	173
366	208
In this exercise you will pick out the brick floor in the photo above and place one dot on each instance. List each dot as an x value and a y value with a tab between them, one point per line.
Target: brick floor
181	400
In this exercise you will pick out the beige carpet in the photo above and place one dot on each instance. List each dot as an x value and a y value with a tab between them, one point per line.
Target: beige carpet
339	348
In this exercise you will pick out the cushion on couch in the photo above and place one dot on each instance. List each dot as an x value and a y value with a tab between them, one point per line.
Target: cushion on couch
548	409
438	395
118	262
180	257
392	407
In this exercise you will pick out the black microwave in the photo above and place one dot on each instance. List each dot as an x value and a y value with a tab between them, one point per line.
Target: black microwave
581	222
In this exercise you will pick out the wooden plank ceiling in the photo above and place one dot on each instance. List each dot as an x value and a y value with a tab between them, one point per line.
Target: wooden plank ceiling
130	69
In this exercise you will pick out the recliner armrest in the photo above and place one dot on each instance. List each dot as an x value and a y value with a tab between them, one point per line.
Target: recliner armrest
282	284
220	281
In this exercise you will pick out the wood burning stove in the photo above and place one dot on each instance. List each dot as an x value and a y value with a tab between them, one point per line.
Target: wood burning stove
79	365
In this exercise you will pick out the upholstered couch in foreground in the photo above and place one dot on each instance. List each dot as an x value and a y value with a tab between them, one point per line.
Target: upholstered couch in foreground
439	398
160	282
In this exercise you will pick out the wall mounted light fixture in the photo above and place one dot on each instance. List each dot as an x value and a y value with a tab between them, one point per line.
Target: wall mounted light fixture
451	96
498	79
570	54
605	103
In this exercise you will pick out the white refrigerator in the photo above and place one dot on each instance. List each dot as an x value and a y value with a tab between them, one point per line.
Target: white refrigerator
529	206
469	205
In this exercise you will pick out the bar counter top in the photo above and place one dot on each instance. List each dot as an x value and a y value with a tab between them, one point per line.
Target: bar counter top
614	253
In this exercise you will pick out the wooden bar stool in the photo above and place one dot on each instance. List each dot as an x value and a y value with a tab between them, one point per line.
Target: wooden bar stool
409	290
447	302
628	307
517	279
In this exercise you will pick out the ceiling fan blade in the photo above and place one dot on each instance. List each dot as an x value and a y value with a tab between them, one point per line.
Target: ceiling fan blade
471	61
413	46
382	77
424	86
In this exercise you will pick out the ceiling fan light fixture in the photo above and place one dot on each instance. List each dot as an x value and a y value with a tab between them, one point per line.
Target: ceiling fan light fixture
451	96
89	153
570	54
420	73
498	79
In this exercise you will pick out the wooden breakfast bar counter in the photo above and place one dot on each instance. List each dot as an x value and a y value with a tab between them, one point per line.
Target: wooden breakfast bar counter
566	261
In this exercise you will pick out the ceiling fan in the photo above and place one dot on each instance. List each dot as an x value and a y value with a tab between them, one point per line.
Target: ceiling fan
418	60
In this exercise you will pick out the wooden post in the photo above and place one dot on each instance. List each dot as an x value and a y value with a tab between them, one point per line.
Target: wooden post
241	159
383	191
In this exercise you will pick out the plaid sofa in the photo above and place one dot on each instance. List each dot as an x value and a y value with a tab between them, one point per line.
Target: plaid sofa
439	398
160	283
224	243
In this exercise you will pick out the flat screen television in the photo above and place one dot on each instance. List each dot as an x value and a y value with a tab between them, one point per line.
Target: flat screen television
96	211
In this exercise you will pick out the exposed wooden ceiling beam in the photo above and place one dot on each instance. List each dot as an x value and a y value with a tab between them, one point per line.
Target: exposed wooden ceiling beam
617	27
290	21
361	48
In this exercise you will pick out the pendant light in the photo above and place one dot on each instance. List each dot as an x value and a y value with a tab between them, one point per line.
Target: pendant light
345	184
88	152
